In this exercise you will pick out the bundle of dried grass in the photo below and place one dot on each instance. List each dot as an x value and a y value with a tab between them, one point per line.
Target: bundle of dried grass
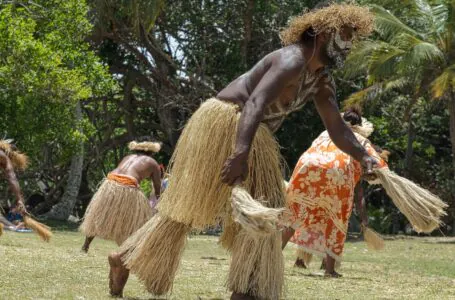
305	256
251	214
153	253
115	212
18	159
372	238
422	208
42	230
257	265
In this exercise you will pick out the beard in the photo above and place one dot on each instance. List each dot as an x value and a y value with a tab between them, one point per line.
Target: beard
336	51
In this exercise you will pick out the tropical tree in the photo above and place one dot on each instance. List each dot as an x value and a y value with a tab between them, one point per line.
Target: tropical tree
412	54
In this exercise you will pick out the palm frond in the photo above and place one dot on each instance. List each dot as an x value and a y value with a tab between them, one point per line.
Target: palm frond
397	84
384	62
418	52
389	26
360	97
444	82
358	60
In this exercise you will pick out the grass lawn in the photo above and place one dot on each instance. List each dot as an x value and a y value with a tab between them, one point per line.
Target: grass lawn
407	269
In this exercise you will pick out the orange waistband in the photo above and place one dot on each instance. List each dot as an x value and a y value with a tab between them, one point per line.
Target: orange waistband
123	179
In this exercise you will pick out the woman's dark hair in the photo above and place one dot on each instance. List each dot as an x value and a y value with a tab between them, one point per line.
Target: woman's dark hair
353	115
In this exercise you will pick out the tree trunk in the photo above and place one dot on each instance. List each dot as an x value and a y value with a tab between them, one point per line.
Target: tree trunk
63	209
409	148
248	28
451	106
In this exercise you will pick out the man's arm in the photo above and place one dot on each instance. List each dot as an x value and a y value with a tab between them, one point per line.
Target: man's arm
281	71
359	201
12	181
339	132
156	179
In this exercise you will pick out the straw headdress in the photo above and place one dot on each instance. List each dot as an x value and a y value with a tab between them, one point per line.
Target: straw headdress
329	19
144	146
19	160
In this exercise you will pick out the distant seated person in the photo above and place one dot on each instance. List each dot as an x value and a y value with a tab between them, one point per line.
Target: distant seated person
15	218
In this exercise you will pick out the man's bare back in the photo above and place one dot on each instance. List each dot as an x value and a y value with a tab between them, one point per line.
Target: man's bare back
141	166
289	58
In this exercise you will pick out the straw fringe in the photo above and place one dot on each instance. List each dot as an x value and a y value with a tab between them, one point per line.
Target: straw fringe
115	212
144	146
257	266
423	209
18	159
153	253
42	230
328	19
305	256
372	238
252	215
197	196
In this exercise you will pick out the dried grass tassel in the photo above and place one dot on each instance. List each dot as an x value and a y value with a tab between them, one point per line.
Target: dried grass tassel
305	256
42	230
372	238
251	214
422	208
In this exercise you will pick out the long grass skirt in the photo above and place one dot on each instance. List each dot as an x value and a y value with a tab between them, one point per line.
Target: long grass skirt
196	198
115	212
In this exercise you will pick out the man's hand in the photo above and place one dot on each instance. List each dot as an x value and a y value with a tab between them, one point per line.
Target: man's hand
21	207
235	169
368	163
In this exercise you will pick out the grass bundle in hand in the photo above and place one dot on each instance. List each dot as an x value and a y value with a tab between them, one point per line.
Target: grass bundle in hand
372	238
423	209
42	230
251	214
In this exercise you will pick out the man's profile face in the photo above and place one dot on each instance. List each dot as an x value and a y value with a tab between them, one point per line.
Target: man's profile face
337	46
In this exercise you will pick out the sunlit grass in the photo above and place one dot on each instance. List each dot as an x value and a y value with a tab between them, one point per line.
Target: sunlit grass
406	269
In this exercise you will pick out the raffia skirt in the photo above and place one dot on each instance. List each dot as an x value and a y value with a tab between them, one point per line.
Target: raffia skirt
196	198
115	212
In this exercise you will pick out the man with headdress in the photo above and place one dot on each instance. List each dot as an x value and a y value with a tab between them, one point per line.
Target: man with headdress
321	194
10	161
119	207
229	141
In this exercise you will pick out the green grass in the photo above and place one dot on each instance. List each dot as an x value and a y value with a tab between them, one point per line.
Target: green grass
406	269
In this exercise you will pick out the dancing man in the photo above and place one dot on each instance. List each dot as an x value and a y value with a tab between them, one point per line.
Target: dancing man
229	141
10	161
119	207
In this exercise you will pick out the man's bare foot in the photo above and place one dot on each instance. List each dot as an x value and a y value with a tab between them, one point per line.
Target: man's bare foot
240	296
333	274
299	263
118	275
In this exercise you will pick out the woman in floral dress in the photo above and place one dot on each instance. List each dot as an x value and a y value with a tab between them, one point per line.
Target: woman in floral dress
321	192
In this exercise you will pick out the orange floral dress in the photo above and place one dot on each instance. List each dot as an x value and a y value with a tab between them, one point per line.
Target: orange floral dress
320	196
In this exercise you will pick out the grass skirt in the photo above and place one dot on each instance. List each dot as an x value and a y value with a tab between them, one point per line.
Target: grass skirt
196	198
115	212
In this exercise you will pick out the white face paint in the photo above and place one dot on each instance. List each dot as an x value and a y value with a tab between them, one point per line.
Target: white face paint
337	49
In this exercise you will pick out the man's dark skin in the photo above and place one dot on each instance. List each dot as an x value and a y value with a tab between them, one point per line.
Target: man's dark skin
276	77
7	168
140	166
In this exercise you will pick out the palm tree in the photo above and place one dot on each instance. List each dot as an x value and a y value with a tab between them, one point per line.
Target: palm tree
414	54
